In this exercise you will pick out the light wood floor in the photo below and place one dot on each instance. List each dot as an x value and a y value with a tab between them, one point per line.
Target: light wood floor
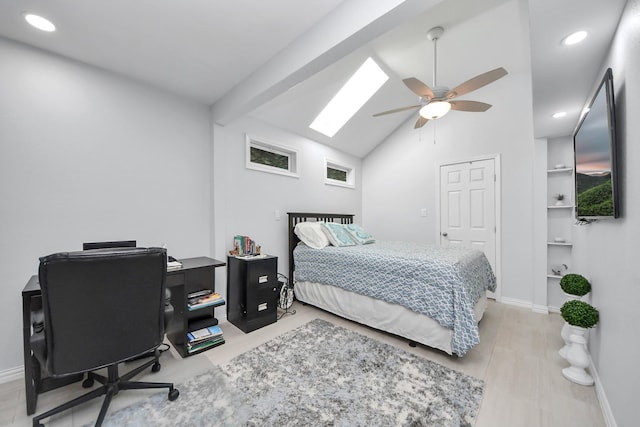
517	358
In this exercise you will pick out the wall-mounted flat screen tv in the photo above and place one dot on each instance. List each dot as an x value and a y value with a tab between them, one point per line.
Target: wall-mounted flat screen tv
594	142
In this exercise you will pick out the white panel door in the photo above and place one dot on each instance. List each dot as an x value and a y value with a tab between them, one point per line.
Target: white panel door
467	207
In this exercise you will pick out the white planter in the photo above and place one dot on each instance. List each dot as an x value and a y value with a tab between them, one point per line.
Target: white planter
578	356
565	332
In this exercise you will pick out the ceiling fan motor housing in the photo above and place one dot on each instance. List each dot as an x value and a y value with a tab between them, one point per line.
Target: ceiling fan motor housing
435	33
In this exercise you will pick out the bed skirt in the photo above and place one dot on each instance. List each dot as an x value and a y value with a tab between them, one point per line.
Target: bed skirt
382	315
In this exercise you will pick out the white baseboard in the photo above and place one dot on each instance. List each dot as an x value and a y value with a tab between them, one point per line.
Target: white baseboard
12	374
543	309
607	413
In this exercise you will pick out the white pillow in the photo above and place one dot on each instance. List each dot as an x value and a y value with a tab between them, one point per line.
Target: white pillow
337	234
359	234
311	234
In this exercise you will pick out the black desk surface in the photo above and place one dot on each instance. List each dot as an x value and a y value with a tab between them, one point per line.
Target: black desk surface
33	285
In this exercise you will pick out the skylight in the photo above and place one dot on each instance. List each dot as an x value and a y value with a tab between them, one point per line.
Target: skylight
350	98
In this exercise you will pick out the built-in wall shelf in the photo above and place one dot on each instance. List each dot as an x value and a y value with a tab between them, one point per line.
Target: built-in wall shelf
560	207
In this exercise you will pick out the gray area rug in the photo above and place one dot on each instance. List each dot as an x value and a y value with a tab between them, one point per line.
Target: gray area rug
317	374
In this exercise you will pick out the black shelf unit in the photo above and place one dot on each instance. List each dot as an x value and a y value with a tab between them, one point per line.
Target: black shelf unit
196	274
252	291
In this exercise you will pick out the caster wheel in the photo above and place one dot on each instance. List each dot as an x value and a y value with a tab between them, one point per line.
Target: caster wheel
87	383
156	367
173	394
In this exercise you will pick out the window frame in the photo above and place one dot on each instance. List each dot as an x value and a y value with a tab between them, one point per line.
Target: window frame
350	171
275	148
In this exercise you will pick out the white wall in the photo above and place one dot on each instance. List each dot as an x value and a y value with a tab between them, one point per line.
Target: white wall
245	200
400	175
607	251
89	156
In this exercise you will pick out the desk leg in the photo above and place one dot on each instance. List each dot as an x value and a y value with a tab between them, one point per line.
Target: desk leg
29	379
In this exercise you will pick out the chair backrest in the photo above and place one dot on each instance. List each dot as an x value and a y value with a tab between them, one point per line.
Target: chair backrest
102	306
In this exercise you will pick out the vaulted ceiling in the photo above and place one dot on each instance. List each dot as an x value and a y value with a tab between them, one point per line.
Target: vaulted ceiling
281	61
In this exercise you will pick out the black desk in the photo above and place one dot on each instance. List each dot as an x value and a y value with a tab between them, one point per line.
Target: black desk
196	273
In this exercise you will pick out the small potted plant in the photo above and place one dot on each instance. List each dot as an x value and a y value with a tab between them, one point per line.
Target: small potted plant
559	199
580	316
575	285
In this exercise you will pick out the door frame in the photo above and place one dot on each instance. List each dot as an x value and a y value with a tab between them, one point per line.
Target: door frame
498	209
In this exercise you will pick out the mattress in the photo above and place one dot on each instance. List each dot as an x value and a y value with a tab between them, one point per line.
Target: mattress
443	284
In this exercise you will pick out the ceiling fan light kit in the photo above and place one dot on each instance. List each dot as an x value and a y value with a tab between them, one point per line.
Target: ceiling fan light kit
436	102
435	110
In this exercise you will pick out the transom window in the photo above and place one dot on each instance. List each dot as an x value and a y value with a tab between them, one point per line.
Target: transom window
271	157
339	174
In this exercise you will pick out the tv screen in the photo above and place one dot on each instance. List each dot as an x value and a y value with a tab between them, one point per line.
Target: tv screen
594	142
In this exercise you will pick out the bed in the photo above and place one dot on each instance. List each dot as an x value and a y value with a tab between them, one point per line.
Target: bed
424	293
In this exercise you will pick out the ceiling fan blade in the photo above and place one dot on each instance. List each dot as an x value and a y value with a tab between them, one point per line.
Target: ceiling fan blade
420	122
473	106
419	88
477	82
397	110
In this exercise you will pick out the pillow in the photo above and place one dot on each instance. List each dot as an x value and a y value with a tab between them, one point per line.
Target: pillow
337	234
311	234
358	234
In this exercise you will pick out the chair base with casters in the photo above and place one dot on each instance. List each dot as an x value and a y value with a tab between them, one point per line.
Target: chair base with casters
111	385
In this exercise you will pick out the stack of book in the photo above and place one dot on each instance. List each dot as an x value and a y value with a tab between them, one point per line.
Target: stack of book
204	338
243	245
203	298
173	265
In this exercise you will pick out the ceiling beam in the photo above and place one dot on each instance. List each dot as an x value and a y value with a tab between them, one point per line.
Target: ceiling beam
348	27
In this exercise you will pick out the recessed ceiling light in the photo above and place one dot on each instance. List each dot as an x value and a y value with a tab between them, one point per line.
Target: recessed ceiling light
39	22
574	38
559	114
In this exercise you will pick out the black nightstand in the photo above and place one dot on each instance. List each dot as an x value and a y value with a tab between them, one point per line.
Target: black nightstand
252	292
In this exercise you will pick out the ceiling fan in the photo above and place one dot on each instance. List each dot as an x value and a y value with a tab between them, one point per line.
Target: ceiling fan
437	101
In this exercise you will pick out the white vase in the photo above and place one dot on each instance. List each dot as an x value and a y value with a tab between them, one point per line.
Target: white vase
578	357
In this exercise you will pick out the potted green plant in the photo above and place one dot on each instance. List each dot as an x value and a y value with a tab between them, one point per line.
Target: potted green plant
580	314
575	284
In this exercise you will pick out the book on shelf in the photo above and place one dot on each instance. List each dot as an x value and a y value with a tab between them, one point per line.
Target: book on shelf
199	294
191	348
204	334
211	299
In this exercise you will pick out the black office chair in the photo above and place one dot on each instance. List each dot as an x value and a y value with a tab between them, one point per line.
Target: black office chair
101	307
